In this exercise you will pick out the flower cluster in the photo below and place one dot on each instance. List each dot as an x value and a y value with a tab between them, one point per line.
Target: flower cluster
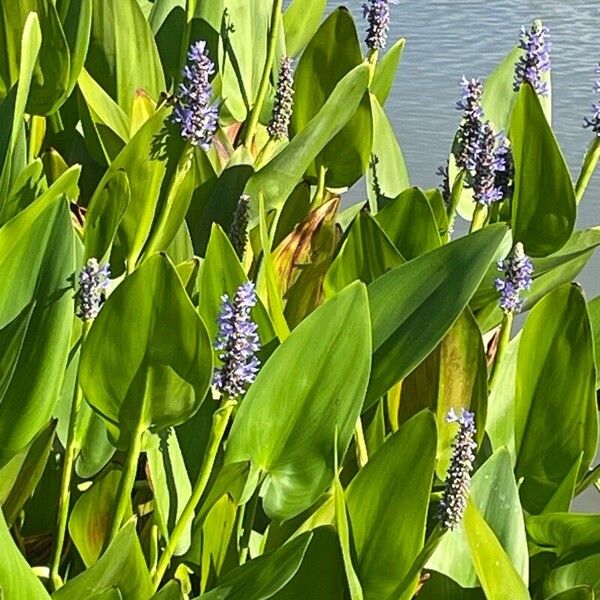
279	125
377	13
458	480
504	167
237	341
94	279
517	269
238	234
470	127
535	60
594	121
194	109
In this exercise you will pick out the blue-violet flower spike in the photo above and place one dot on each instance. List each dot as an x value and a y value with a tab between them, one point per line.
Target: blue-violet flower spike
535	60
458	480
237	341
594	121
470	127
377	13
505	168
238	233
517	269
93	281
278	127
194	110
487	164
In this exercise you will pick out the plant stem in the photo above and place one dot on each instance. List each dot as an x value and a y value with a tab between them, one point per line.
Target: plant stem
64	500
479	215
264	82
457	188
219	425
503	341
362	454
320	193
249	513
587	170
123	498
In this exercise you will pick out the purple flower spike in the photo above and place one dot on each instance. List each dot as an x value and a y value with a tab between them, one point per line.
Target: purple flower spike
470	127
377	13
238	342
458	480
94	279
504	167
488	164
518	270
594	122
279	125
535	60
194	109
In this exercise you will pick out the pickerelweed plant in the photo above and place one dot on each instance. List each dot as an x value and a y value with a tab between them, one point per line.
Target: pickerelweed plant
219	379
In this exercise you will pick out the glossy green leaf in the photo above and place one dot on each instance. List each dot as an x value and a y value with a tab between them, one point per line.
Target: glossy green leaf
562	533
413	306
385	71
581	592
387	504
495	571
122	566
301	20
76	20
36	307
146	362
278	178
264	576
330	382
366	254
410	223
582	572
494	492
543	205
594	312
556	339
17	581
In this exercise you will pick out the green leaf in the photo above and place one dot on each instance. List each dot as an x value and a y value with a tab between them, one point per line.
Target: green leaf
594	312
495	571
122	566
264	576
581	592
556	339
387	504
366	254
122	55
494	492
17	581
410	223
562	533
278	178
76	19
147	360
582	572
543	205
413	306
300	21
331	54
385	71
330	380
36	307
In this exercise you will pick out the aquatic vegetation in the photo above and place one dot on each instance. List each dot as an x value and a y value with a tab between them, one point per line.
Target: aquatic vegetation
219	378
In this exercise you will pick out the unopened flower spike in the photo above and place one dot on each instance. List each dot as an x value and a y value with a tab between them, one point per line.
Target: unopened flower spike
278	127
238	342
488	163
535	60
195	110
470	128
517	270
504	165
238	234
458	479
377	13
94	279
594	122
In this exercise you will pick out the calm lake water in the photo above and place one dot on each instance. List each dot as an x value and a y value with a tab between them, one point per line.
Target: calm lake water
446	39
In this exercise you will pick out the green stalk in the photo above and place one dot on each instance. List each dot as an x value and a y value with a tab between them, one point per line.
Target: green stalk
265	154
320	192
587	170
503	341
362	454
264	82
407	588
123	498
457	188
64	500
219	425
247	521
479	215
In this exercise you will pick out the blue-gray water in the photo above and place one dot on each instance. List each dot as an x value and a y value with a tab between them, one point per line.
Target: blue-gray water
448	38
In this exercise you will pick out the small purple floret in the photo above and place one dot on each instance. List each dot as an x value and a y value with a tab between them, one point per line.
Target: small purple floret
238	342
518	270
535	60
